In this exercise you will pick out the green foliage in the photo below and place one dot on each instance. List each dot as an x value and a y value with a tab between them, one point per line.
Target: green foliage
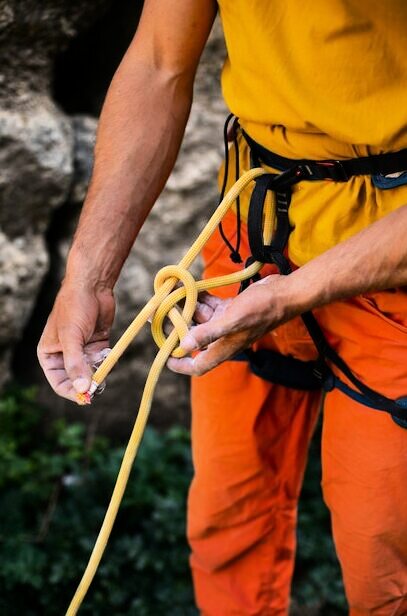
54	488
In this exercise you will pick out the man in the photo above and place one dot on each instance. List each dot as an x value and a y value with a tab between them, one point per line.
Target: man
308	80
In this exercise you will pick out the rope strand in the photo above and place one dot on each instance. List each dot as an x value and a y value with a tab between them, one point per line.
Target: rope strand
162	304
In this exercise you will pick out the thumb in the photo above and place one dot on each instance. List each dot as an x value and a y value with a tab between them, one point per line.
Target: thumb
76	366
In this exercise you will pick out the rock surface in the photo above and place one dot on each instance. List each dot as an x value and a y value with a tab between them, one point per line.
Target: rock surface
36	151
45	164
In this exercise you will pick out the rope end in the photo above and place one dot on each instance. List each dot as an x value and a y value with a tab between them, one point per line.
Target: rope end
86	398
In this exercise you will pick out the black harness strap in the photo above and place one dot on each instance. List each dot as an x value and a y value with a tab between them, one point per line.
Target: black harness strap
367	396
336	170
281	186
282	369
262	252
295	171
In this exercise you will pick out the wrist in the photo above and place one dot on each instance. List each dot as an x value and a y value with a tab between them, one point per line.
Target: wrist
294	294
86	267
83	275
306	289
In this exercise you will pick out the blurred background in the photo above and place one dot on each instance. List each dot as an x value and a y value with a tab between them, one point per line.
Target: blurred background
58	462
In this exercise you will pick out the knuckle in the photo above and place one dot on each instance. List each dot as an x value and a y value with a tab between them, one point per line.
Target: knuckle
69	331
199	368
73	366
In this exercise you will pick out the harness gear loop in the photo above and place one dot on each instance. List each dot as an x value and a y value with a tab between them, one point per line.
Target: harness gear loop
230	136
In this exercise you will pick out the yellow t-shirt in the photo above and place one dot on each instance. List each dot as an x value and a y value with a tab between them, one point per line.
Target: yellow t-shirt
321	79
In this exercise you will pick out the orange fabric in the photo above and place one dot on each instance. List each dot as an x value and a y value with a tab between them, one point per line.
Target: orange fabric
249	465
250	441
364	455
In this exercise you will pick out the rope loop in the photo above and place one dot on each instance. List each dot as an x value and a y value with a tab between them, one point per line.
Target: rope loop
168	308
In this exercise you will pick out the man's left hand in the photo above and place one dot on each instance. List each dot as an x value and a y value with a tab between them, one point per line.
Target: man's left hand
227	327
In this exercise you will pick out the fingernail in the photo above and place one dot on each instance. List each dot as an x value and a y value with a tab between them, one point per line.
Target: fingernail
81	385
188	343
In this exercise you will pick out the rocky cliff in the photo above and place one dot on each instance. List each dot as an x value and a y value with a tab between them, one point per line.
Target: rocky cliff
57	60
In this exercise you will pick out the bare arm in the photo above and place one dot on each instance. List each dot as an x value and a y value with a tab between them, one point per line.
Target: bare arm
140	131
372	260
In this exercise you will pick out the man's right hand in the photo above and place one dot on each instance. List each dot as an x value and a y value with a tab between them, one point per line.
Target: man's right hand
137	144
76	332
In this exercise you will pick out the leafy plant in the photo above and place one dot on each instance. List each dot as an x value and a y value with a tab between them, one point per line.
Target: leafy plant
55	486
55	483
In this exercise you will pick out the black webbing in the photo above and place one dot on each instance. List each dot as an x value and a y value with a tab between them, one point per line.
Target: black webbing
282	369
327	352
280	185
341	171
269	253
247	281
234	250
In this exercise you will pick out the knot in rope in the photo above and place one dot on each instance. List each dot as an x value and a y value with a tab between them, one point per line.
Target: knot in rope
169	276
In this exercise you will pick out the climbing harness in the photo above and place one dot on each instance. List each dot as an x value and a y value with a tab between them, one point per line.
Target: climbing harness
293	172
268	235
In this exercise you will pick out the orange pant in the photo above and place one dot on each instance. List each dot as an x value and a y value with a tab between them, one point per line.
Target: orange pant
250	441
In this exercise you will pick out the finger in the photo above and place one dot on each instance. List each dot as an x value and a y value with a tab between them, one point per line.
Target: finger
202	313
185	365
213	301
52	364
76	366
202	335
55	373
61	384
52	361
96	352
208	306
218	352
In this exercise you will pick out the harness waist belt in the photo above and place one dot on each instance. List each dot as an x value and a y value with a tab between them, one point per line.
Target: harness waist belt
336	170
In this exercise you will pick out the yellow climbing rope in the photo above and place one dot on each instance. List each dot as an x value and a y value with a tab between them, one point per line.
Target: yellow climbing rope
161	305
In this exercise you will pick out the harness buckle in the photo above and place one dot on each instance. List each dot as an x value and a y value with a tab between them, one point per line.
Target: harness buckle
286	179
321	170
334	170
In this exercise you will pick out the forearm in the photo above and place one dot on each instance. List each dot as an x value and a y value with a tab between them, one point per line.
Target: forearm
372	260
139	135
